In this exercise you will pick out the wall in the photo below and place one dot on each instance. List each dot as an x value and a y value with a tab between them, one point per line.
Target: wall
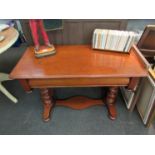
139	24
76	31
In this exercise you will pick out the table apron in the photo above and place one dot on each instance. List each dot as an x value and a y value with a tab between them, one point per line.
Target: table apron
77	82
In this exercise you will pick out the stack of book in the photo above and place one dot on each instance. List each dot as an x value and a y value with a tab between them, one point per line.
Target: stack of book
115	40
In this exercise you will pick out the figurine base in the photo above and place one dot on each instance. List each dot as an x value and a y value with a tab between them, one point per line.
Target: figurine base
45	51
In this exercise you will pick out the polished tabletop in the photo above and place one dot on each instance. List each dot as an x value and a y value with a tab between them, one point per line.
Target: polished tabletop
78	61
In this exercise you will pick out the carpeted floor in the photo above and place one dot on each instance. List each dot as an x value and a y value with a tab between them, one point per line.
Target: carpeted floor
25	116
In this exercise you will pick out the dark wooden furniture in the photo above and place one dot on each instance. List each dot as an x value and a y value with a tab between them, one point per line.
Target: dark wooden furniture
146	43
79	66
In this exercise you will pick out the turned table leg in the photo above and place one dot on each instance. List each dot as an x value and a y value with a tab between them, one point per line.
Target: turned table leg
25	85
110	101
48	103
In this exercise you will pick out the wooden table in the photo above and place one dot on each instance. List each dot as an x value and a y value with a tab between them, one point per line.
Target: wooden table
79	66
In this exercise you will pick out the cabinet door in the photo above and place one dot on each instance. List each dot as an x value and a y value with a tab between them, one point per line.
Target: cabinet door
128	97
143	98
146	98
131	97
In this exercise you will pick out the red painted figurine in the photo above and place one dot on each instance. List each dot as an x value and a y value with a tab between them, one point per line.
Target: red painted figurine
35	25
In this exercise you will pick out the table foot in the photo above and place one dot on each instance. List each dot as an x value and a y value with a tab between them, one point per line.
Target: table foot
48	103
110	102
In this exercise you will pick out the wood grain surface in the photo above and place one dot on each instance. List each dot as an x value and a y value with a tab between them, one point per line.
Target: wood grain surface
78	61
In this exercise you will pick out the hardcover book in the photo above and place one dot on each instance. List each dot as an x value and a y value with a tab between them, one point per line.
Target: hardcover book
113	40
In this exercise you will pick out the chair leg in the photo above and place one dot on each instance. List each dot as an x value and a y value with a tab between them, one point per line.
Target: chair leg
5	92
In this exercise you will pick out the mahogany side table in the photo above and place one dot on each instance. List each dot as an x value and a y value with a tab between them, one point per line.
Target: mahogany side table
79	66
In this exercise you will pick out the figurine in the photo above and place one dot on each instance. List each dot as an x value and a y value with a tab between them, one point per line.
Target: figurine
40	51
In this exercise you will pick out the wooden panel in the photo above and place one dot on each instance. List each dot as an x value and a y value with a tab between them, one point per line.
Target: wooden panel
56	36
77	31
80	102
79	61
89	26
78	82
72	33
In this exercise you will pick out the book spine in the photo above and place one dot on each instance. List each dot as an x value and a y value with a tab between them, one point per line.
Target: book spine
107	38
93	40
99	40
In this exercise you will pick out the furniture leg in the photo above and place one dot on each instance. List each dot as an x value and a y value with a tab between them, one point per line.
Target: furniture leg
5	77
133	84
48	103
110	101
25	85
5	92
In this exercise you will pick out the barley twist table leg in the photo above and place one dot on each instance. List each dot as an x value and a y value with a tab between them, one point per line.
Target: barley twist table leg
110	101
46	96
